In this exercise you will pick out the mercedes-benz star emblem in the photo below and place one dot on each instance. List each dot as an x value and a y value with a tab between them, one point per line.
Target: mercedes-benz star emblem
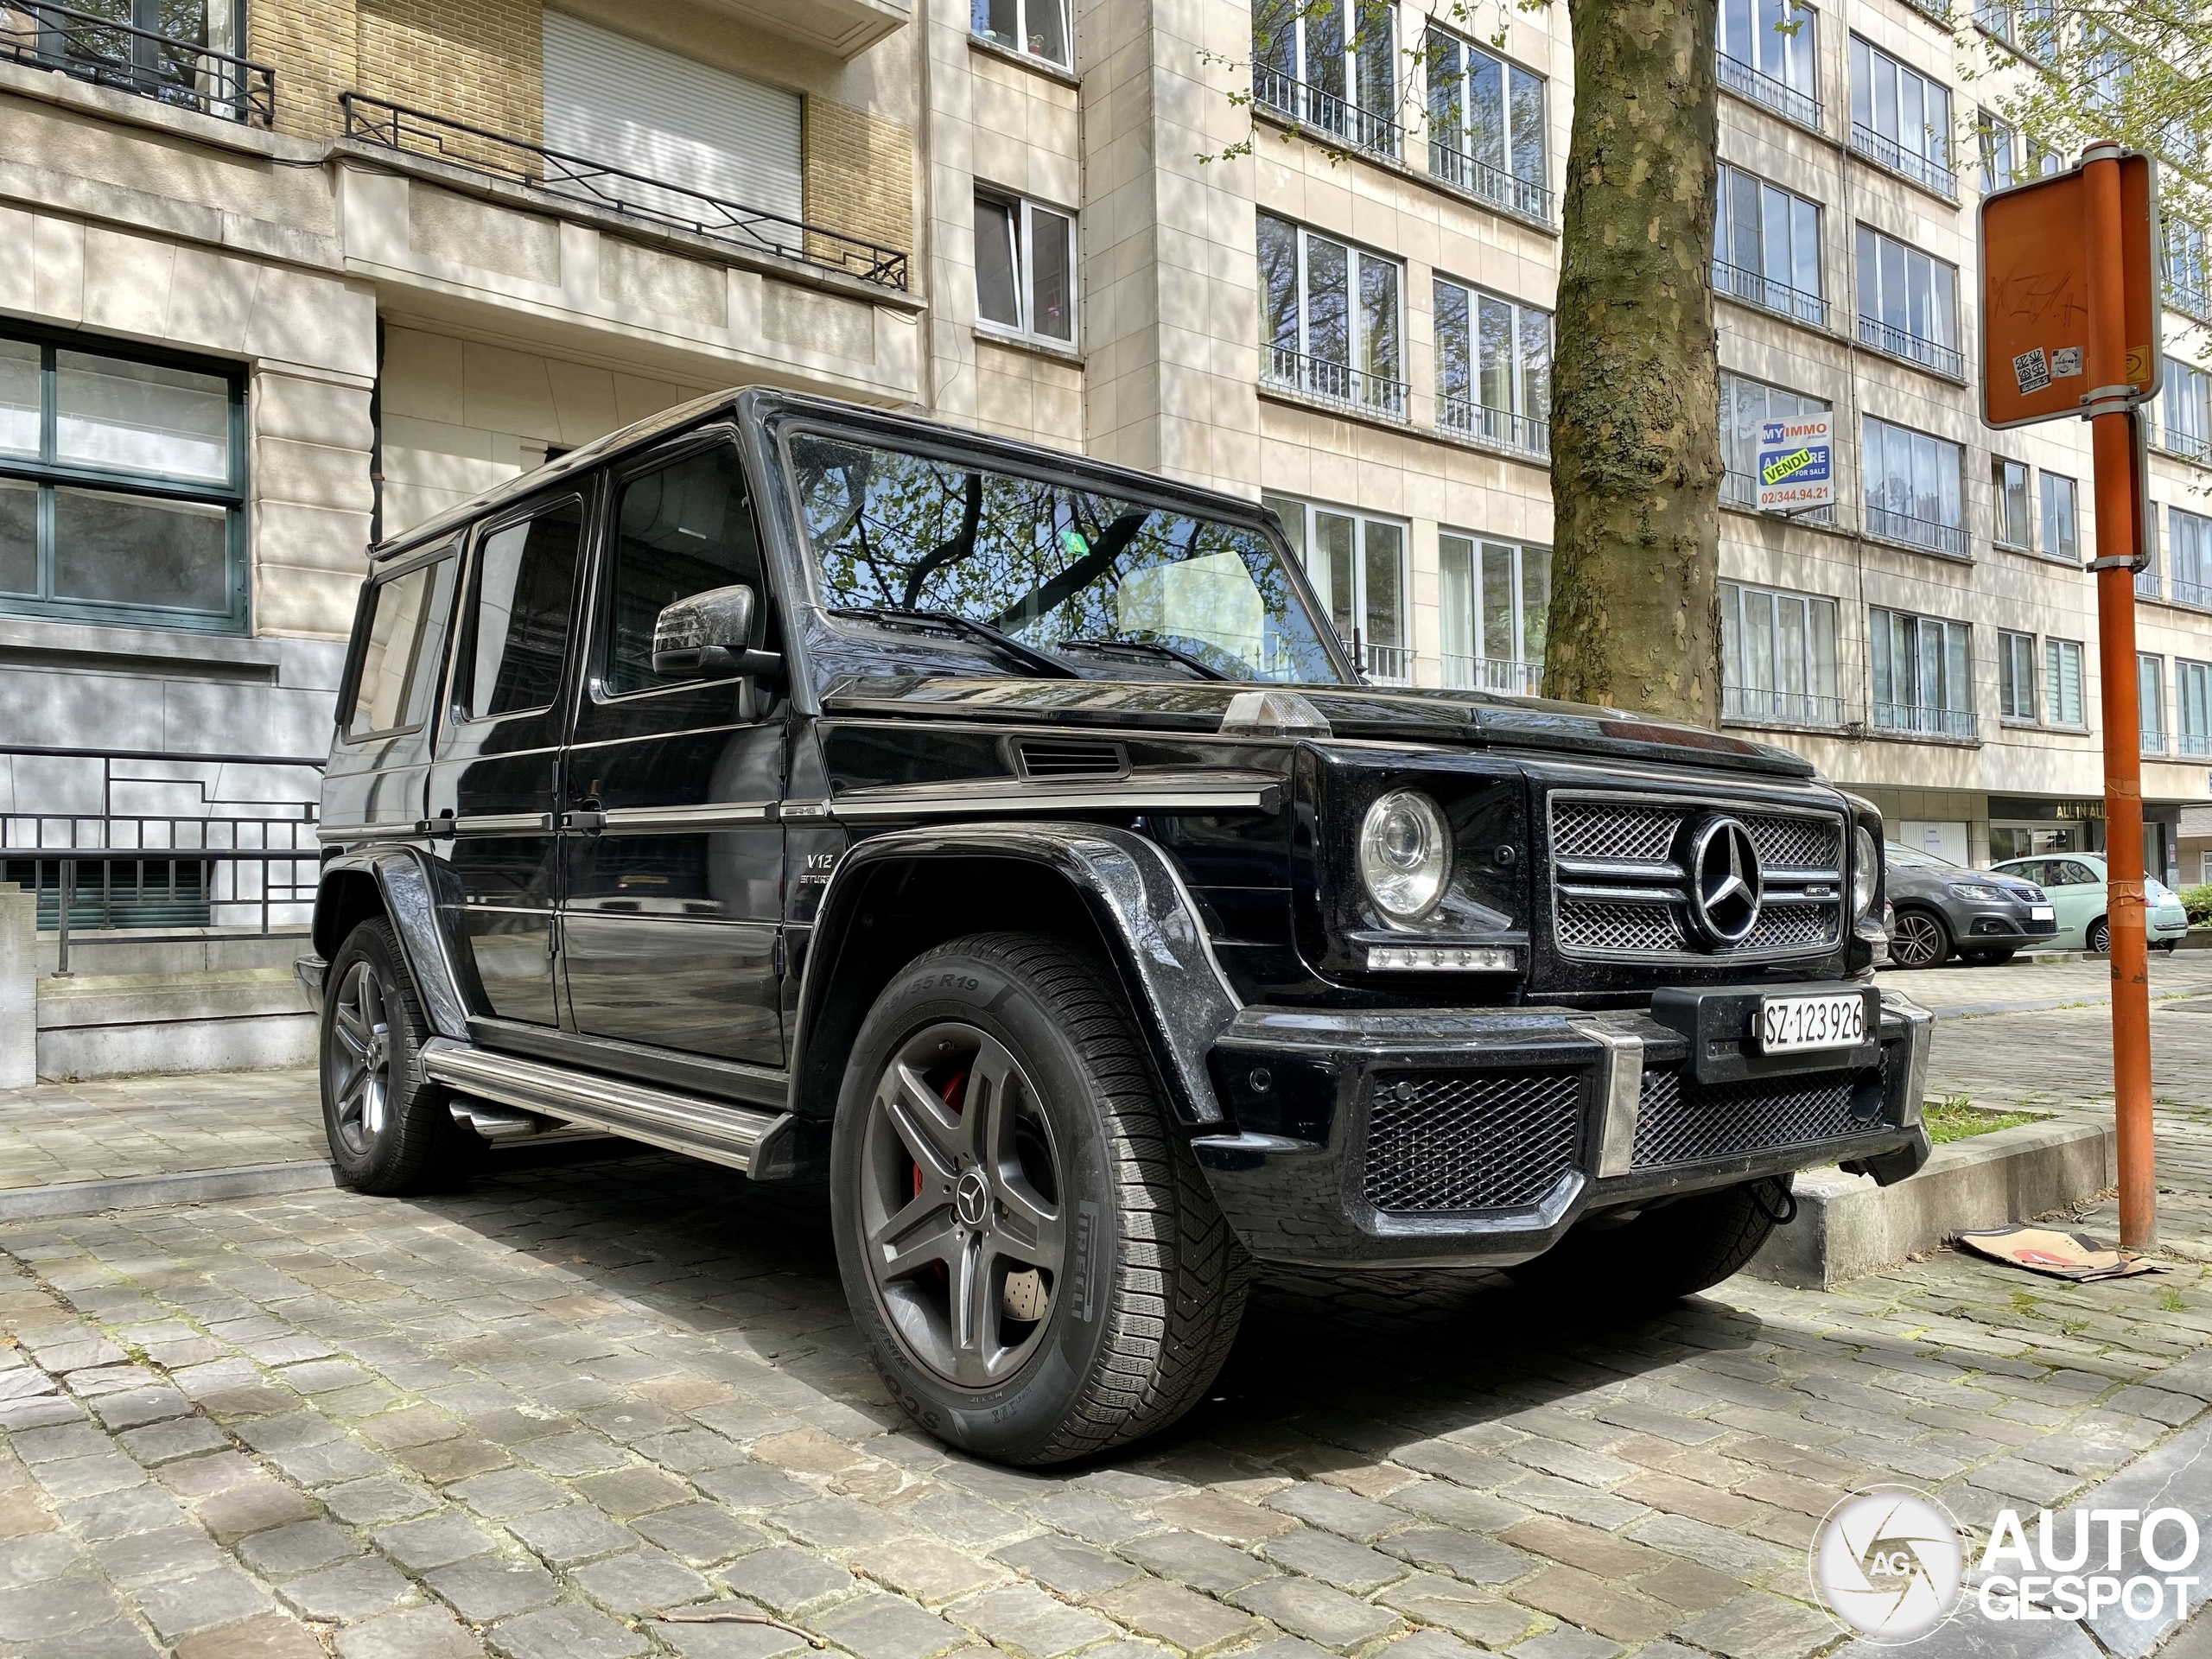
971	1198
1725	882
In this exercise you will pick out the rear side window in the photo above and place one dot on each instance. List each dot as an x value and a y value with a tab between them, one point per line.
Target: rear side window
525	588
681	531
399	654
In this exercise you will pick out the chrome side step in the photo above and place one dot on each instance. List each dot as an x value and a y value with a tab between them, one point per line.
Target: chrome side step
508	1126
687	1123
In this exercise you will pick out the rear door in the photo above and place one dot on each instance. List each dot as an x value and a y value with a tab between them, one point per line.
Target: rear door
494	786
373	784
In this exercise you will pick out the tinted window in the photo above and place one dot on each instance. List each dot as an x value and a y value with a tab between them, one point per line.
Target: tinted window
400	651
681	531
2067	873
525	588
2029	869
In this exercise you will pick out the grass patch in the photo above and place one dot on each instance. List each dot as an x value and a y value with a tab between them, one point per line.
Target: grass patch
1957	1118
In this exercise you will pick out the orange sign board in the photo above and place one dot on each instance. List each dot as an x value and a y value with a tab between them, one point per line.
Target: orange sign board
2035	294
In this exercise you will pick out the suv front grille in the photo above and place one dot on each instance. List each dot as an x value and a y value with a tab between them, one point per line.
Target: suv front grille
1679	1120
1470	1139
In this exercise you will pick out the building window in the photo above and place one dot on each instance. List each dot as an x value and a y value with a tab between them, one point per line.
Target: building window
1496	600
122	488
2151	701
1913	489
1767	50
2192	558
1908	304
2187	421
183	53
1357	565
1493	368
2181	263
1766	247
1486	126
2060	538
1025	268
2008	485
1332	319
1901	119
1038	29
2193	706
2062	682
2016	676
1331	65
1746	406
2146	579
1922	674
1999	145
1777	657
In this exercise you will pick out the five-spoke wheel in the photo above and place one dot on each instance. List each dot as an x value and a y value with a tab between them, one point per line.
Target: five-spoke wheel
357	1062
386	1122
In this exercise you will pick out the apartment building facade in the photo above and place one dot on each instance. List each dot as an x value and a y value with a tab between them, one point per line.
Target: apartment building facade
279	277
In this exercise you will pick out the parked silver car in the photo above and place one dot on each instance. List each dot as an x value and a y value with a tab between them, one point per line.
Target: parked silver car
1940	908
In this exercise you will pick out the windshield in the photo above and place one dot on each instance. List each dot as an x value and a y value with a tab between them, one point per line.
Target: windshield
1112	587
1912	858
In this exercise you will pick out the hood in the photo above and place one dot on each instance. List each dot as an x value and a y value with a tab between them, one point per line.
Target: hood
1408	715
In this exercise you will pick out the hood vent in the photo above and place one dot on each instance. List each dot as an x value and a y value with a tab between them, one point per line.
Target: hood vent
1070	757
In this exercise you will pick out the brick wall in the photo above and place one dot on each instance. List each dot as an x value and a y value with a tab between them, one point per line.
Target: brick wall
311	45
480	61
858	176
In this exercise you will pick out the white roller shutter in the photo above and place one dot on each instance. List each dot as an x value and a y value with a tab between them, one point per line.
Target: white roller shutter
612	99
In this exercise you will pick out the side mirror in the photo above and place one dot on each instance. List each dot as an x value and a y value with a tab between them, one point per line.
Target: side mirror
709	637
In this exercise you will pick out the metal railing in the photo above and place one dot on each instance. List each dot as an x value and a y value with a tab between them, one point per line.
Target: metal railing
1921	169
1930	533
1493	673
1783	99
1386	665
1752	703
184	74
2154	740
2189	446
2194	593
2188	297
2196	744
1326	112
1920	720
1754	288
1336	382
1454	167
613	189
185	860
1462	417
1893	341
2147	583
1742	489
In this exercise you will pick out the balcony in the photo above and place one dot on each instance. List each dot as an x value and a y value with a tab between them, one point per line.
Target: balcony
1785	101
1926	533
1334	383
1921	169
1493	673
1756	705
2189	446
1753	288
1386	665
2147	583
1464	418
2194	593
1275	93
1494	185
1914	720
2196	746
1742	490
2189	298
659	203
1911	348
182	74
2154	743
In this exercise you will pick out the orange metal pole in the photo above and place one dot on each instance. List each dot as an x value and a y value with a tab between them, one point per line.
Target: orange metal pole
2111	437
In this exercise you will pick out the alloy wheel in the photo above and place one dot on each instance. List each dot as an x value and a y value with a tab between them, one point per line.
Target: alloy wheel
960	1205
357	1065
1919	940
2099	939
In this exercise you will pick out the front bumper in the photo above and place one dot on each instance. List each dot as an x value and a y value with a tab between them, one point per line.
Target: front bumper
310	972
1972	925
1479	1137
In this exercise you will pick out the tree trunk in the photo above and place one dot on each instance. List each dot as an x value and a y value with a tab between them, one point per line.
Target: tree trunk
1636	420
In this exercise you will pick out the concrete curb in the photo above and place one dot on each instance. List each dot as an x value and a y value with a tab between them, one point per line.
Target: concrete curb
1847	1225
193	1187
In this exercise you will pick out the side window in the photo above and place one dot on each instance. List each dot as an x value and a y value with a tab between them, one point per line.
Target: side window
2032	869
400	650
525	588
679	532
2071	874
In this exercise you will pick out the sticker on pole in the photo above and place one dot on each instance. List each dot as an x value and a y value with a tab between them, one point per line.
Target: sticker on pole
1795	474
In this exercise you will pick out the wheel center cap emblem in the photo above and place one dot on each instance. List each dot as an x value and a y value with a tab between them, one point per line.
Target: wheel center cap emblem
971	1198
1725	882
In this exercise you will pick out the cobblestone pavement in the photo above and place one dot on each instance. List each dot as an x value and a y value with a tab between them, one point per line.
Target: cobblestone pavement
61	1132
519	1416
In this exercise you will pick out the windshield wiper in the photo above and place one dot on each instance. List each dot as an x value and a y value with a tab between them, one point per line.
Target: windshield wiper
1147	648
1027	656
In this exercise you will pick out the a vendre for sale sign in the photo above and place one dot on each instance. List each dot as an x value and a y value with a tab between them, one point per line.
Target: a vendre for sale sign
1794	471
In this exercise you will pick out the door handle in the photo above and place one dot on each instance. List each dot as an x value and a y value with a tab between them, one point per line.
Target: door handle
588	820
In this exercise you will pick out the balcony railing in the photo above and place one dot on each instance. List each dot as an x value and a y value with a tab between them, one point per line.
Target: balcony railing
1784	100
1742	489
2147	583
1752	703
1462	417
1326	112
1335	383
1754	288
183	73
1494	185
614	189
1493	673
1935	537
2192	593
2188	297
1913	348
2154	740
2189	446
1921	169
1918	720
2195	745
1386	665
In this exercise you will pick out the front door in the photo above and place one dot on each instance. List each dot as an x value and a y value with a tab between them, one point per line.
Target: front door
674	859
493	785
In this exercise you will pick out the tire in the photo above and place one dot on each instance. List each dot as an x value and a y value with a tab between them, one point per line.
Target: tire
1921	940
2098	937
1663	1254
1986	958
2170	946
1139	1300
389	1126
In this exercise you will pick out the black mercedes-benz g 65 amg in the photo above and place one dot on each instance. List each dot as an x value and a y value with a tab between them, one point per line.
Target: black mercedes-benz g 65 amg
1006	840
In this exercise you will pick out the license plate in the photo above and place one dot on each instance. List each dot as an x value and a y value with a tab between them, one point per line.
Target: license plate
1790	1025
2042	914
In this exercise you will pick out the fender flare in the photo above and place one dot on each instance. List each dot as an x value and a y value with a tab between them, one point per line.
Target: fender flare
1134	894
408	883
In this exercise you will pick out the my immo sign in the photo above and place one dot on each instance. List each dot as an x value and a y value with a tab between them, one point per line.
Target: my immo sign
1793	461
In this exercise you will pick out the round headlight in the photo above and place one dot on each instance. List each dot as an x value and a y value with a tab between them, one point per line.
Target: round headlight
1405	854
1866	871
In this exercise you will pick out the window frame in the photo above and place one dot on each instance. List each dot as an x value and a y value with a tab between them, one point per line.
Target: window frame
586	493
451	548
1292	91
1527	668
2192	690
1941	355
2183	242
2198	585
2048	484
1934	167
2188	388
1025	209
1527	431
2000	468
1748	500
47	473
2015	650
2151	676
1881	652
1735	648
1303	548
1758	287
1361	382
1949	532
1755	80
1456	164
2055	652
979	16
